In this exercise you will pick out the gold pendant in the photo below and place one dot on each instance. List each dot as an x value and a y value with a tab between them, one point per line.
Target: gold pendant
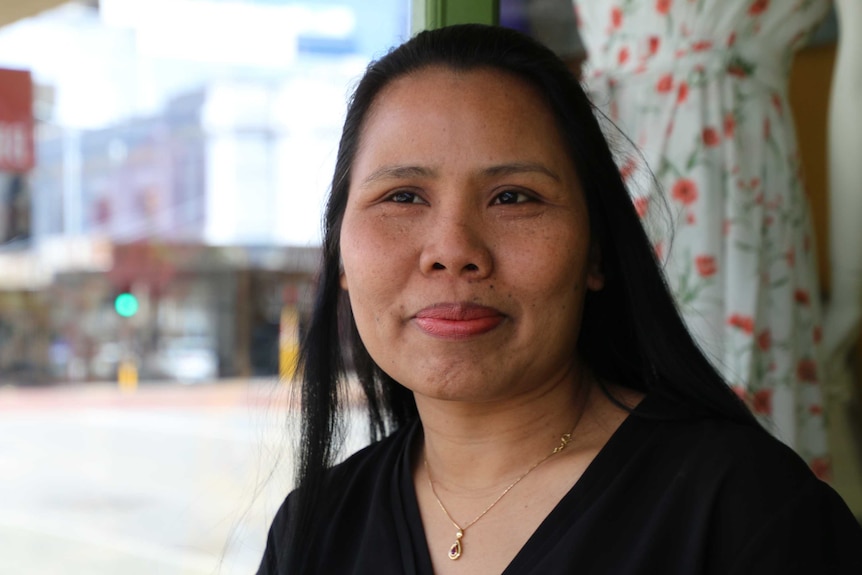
455	550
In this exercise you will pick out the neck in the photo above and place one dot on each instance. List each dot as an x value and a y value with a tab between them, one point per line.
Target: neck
481	446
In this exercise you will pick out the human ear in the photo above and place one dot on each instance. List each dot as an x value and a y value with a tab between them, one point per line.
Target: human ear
595	277
342	278
595	280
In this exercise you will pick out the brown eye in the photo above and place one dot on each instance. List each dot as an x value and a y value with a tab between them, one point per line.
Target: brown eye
511	197
403	198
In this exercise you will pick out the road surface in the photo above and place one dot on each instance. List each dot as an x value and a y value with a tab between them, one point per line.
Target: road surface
170	479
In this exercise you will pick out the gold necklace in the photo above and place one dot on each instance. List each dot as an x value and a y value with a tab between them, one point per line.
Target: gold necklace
457	548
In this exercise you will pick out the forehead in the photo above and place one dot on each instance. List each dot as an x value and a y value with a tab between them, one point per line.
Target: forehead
482	114
434	82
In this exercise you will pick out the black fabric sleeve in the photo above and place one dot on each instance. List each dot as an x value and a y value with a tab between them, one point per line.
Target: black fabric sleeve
814	532
273	561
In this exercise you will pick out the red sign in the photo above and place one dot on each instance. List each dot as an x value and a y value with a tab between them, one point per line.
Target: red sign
16	121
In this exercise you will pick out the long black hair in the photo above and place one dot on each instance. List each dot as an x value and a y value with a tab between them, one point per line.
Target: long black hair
631	333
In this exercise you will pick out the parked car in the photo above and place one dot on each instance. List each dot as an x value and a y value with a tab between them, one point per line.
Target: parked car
187	359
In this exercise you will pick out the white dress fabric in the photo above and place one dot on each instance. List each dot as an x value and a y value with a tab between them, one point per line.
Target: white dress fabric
700	87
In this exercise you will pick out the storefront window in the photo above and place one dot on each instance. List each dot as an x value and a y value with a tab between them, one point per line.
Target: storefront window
163	166
176	126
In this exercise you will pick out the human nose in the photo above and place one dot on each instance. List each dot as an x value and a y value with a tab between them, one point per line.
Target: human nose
457	245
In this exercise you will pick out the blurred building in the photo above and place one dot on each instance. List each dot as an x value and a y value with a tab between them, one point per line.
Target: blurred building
192	186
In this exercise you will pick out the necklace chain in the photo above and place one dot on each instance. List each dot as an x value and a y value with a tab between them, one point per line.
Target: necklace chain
457	548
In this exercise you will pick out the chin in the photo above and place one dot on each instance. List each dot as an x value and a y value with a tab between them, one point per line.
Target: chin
469	389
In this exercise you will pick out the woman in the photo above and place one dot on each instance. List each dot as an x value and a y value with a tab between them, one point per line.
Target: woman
540	413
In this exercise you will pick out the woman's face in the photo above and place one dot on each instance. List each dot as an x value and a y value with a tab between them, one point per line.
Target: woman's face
465	238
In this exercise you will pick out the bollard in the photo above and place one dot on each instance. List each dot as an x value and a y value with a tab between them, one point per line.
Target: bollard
127	376
288	344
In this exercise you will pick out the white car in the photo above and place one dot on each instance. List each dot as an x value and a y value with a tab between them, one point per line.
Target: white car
188	360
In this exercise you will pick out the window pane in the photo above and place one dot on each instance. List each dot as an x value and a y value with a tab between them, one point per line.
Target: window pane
154	269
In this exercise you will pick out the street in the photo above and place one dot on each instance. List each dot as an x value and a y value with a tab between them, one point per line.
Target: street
174	480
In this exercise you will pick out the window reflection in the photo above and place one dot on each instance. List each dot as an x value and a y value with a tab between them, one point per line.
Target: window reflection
154	260
183	150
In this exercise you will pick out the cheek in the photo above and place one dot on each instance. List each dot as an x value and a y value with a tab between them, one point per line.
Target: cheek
359	254
554	267
373	264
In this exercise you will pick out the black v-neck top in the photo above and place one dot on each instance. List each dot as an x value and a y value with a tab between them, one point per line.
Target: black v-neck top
668	494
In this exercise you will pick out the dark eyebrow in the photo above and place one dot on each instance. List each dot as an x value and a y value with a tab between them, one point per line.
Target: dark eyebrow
519	168
402	172
397	173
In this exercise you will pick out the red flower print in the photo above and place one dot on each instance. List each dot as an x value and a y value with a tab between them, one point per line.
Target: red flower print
817	334
701	45
641	205
628	168
662	6
790	256
682	94
654	43
762	401
616	17
815	409
665	84
806	370
822	468
659	250
776	102
623	56
758	7
742	322
684	191
710	137
705	265
690	219
801	296
729	125
797	38
764	340
740	392
738	71
731	40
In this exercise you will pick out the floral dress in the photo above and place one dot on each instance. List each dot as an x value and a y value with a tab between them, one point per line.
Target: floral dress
700	88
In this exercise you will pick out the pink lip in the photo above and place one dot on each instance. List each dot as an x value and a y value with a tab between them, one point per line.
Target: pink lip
457	320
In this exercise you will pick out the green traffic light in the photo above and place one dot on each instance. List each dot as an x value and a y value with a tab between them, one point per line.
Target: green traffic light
126	304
